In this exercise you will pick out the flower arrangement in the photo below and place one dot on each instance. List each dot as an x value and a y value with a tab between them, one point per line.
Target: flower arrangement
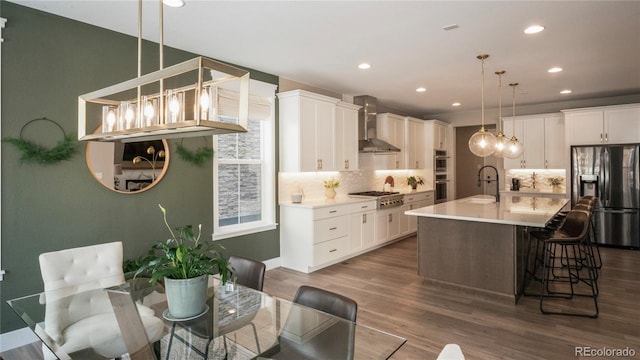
555	181
331	183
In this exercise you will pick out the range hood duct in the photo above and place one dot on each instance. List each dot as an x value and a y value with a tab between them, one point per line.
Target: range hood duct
368	143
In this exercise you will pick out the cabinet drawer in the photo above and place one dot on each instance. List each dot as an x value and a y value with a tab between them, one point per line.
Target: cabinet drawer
330	250
362	207
331	228
331	211
423	196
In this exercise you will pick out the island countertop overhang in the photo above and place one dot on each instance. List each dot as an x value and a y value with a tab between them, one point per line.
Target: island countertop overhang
511	210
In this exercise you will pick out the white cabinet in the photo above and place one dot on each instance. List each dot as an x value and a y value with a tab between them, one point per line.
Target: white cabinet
307	131
408	223
387	225
543	140
362	226
312	238
617	124
414	143
440	136
391	128
346	136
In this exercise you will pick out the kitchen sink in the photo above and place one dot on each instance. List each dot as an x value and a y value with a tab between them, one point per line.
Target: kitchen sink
482	199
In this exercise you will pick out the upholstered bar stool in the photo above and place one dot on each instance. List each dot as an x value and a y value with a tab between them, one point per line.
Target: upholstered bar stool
571	239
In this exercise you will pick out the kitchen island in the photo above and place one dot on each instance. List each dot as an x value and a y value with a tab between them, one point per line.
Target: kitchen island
477	245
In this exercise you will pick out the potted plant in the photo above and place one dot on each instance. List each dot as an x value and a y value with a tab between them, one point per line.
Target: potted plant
330	185
414	181
184	263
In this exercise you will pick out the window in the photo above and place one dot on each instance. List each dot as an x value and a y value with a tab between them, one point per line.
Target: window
244	168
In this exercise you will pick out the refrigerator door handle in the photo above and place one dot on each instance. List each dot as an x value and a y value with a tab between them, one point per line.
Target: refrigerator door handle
621	211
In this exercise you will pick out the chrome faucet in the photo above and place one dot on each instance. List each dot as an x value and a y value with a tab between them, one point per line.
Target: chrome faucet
488	180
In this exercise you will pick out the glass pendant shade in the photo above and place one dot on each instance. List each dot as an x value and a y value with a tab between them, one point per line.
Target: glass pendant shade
500	146
514	148
482	143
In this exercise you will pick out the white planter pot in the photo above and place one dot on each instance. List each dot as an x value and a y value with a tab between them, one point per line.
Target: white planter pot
186	297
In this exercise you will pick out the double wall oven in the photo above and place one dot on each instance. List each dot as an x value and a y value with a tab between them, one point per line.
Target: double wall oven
440	175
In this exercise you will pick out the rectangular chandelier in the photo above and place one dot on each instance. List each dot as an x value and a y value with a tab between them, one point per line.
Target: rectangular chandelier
175	102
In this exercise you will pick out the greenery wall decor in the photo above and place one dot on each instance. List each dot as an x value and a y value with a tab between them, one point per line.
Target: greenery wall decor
198	157
34	153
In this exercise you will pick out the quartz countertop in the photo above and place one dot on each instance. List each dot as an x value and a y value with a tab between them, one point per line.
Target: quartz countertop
319	203
511	210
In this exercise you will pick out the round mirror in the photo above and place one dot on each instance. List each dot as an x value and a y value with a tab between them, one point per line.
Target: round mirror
128	168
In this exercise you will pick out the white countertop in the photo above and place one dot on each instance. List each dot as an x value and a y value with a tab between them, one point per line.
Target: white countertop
511	210
319	203
343	200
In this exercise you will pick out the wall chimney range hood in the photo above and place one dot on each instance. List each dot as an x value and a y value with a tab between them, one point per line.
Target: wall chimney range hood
368	143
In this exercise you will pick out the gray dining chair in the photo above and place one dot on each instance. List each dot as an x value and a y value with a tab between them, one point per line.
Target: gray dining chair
246	272
79	317
334	343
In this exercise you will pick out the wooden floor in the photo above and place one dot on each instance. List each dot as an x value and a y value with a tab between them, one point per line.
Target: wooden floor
392	297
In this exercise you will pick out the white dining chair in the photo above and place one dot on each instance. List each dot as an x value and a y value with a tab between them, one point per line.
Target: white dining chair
79	315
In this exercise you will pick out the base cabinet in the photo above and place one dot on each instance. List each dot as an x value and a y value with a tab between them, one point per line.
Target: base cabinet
409	224
312	238
387	225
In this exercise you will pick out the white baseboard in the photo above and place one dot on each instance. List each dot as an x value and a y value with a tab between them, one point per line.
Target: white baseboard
273	263
17	338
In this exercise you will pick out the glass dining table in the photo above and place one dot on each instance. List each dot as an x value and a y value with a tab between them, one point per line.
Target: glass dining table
237	323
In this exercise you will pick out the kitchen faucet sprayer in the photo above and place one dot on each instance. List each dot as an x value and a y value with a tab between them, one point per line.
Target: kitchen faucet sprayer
489	180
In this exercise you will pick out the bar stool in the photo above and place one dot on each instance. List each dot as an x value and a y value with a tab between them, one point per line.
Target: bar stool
571	236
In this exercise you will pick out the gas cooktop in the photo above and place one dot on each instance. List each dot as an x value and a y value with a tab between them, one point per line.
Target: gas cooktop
385	199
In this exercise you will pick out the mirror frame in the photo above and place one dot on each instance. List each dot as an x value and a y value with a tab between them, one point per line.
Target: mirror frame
166	161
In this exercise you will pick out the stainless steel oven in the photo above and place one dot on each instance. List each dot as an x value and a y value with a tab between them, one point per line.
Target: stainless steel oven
440	177
441	183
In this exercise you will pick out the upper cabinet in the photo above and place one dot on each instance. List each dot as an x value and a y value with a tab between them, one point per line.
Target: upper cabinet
391	128
415	145
543	140
617	124
346	136
317	133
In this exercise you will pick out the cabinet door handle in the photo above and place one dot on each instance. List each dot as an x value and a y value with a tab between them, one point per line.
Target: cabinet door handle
333	250
546	164
397	164
333	228
417	165
346	164
333	211
600	137
606	137
364	206
364	218
390	217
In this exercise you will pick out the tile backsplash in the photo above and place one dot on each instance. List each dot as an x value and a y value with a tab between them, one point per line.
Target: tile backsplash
312	183
542	179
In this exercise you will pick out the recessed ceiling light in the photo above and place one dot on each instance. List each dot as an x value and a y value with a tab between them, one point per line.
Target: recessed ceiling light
421	89
173	3
555	69
533	29
364	66
456	104
567	91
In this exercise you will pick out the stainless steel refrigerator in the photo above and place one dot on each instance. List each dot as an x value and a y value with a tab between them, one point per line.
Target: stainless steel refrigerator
610	172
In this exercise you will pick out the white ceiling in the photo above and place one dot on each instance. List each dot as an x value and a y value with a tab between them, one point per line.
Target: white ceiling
320	43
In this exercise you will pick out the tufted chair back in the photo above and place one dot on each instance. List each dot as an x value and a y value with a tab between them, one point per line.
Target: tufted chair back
80	269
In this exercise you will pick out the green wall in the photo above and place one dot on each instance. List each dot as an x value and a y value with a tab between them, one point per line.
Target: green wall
47	61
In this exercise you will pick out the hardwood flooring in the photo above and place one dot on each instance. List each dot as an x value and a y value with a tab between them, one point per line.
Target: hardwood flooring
392	297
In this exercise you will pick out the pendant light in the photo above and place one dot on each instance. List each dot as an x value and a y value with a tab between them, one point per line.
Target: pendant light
179	101
501	140
482	143
515	148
